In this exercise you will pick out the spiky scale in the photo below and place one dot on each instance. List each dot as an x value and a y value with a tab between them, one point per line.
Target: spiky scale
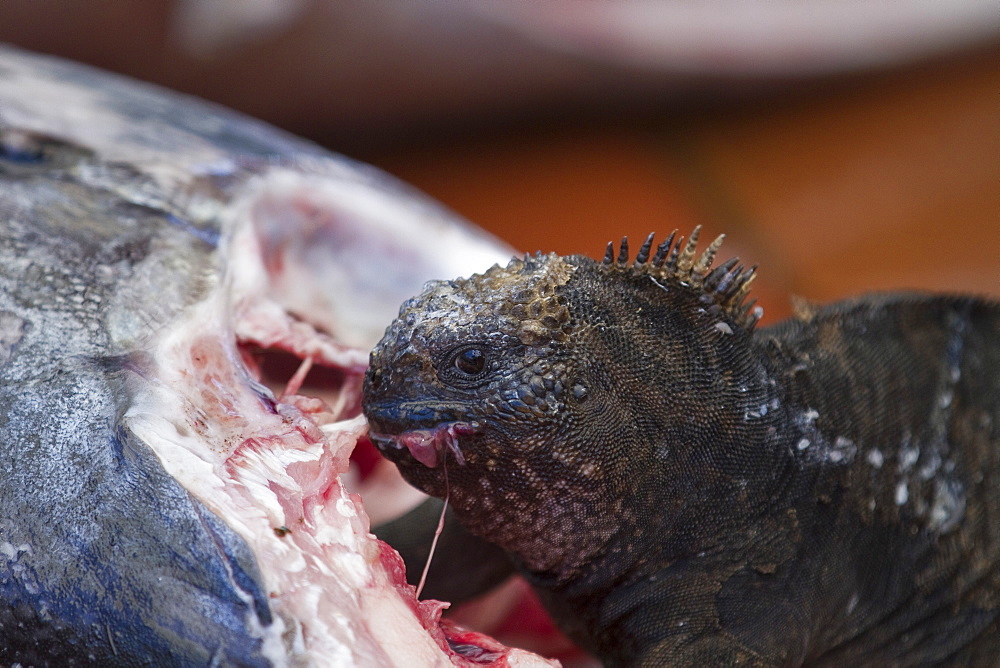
609	254
686	259
643	254
663	249
715	277
704	262
623	253
675	250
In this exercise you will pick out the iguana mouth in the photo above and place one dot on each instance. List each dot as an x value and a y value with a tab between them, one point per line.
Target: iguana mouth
427	445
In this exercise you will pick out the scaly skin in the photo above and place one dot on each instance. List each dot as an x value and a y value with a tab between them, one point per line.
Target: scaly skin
682	488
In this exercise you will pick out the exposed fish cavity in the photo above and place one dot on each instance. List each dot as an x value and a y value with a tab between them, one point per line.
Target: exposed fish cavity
267	457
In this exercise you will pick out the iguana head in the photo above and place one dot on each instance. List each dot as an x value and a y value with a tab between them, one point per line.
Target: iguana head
545	393
476	373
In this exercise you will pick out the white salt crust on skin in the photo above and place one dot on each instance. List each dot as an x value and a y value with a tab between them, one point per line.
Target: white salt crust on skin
259	470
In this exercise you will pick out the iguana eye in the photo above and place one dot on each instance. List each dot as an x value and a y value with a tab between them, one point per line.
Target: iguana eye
470	361
466	366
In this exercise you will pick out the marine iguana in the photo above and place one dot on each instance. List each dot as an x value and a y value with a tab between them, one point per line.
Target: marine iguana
683	488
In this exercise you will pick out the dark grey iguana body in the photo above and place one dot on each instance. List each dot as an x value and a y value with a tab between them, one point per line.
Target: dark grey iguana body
683	489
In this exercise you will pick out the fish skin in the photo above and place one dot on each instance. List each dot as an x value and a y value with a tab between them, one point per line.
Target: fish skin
118	206
79	490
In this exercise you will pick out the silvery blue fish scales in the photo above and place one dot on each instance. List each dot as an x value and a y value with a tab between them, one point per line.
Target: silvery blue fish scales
159	503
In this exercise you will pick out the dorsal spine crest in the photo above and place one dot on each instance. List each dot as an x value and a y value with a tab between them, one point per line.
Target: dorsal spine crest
676	260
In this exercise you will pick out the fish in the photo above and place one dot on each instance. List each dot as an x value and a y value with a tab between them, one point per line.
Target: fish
164	500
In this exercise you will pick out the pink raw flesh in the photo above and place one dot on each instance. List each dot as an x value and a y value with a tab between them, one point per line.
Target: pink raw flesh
426	444
278	463
423	445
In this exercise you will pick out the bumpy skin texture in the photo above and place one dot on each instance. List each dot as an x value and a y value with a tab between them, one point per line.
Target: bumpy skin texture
682	488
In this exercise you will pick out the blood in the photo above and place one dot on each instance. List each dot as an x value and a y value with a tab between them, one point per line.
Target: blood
529	624
365	456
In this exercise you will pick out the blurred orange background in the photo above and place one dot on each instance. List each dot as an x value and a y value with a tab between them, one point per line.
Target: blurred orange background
877	182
